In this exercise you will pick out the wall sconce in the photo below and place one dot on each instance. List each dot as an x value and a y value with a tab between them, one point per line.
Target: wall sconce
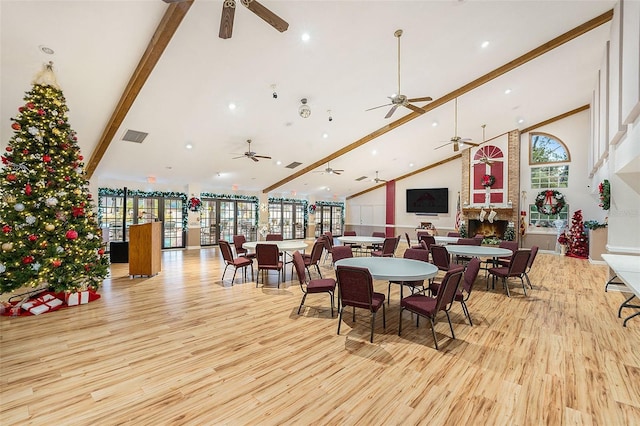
303	110
263	207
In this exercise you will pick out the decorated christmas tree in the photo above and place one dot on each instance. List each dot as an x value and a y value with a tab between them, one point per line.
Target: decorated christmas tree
578	242
49	238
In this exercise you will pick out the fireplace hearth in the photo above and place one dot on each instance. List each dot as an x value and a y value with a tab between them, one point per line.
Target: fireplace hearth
495	229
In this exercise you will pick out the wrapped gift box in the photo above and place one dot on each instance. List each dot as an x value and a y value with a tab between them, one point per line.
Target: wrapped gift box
77	298
42	304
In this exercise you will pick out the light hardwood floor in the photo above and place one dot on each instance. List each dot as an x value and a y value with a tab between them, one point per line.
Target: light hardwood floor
184	347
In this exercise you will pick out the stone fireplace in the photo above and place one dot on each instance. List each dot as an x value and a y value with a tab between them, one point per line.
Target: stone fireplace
495	229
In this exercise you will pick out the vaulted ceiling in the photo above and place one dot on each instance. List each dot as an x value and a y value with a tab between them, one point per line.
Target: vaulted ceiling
542	52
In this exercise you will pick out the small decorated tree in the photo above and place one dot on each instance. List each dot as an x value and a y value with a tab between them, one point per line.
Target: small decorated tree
578	241
49	238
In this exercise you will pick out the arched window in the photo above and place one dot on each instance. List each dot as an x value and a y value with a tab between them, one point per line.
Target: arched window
544	151
545	148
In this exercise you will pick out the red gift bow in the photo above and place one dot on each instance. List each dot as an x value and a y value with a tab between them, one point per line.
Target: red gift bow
549	195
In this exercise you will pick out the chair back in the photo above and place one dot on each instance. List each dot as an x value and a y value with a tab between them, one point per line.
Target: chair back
329	236
453	234
238	241
448	289
469	242
298	263
389	246
274	237
479	236
420	234
532	257
428	239
470	274
355	286
406	236
379	235
316	251
267	255
349	233
341	252
518	263
327	243
227	254
416	254
440	256
511	245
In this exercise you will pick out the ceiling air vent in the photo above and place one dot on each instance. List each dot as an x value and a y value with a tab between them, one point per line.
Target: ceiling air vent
361	178
134	136
293	165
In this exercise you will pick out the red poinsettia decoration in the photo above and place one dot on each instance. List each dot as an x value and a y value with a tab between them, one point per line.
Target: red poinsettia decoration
488	180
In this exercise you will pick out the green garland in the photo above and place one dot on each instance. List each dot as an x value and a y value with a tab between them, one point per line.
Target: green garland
333	204
305	205
605	194
594	224
253	198
135	193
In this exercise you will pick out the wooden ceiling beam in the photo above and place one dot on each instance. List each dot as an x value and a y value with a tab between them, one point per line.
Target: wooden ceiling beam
556	118
161	38
509	66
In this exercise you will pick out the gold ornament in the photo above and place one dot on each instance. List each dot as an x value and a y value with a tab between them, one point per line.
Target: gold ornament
7	246
10	199
77	191
49	227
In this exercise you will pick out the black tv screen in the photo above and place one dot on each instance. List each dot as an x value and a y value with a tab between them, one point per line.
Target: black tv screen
428	200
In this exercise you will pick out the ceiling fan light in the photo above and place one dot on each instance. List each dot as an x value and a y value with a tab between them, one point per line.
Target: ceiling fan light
303	110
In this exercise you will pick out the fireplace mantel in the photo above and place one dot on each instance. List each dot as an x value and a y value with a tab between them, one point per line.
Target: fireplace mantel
477	209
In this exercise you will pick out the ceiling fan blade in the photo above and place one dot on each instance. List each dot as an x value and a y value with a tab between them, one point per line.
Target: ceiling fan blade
415	109
391	111
337	172
442	146
226	20
456	146
240	156
254	159
424	99
262	156
472	143
268	16
380	106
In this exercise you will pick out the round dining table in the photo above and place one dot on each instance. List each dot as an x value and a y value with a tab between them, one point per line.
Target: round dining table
478	251
360	240
392	268
442	240
285	246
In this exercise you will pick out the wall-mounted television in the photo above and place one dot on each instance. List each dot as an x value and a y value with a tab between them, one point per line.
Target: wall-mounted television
428	200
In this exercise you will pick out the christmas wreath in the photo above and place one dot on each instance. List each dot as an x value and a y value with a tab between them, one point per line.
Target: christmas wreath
488	180
312	209
544	202
194	204
605	194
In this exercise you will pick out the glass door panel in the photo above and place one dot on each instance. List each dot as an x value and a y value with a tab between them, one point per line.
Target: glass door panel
208	223
173	230
227	220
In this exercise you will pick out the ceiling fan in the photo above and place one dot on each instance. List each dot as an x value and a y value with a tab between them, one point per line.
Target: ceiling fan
330	171
229	9
398	98
251	155
457	140
377	179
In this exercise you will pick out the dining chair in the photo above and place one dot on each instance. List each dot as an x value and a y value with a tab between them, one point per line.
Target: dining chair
429	307
440	257
353	246
501	261
464	292
314	257
341	252
268	260
453	234
328	246
428	239
239	262
376	246
238	241
388	248
532	257
466	242
274	237
355	289
321	285
517	267
415	254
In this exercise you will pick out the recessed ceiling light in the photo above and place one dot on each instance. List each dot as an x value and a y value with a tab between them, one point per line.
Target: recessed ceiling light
328	189
506	92
305	37
232	106
45	49
410	164
484	44
374	152
325	135
434	124
188	146
278	162
521	120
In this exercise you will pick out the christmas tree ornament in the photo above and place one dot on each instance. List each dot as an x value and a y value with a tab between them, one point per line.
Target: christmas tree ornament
19	207
30	219
11	177
49	227
33	238
7	246
33	130
27	260
27	189
35	266
71	234
6	229
56	263
2	268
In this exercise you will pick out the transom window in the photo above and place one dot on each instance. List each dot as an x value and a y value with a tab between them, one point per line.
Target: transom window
550	177
545	148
